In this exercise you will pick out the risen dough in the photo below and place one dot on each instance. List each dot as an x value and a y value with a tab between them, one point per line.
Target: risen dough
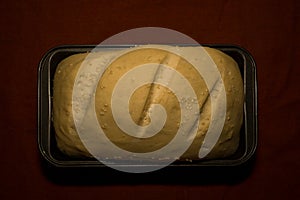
69	142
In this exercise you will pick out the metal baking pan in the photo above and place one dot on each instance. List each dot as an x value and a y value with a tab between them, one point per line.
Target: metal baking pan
46	133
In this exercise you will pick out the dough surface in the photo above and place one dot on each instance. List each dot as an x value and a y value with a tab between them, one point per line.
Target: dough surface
141	100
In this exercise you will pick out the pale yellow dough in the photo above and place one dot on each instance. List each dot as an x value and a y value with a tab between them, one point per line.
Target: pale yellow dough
69	142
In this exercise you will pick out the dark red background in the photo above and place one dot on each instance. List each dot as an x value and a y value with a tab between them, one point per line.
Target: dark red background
268	29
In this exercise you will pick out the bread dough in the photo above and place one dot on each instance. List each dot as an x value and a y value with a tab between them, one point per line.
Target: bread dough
67	137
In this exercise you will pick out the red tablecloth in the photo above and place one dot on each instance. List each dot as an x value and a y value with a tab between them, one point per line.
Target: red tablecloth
268	29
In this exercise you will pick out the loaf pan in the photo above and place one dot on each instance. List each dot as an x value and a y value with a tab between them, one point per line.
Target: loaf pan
46	133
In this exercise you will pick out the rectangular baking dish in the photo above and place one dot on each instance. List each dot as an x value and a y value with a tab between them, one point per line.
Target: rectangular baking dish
46	133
